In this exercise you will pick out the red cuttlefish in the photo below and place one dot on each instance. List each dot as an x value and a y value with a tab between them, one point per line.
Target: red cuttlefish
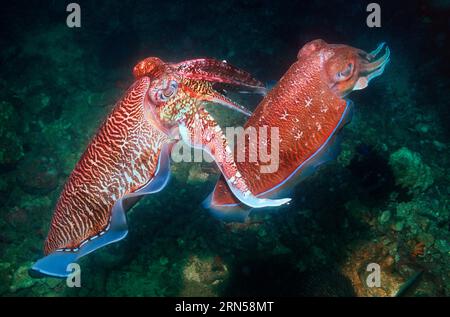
308	108
129	155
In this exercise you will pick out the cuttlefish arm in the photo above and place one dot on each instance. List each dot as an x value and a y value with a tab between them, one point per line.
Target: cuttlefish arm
203	132
202	73
197	77
217	71
204	91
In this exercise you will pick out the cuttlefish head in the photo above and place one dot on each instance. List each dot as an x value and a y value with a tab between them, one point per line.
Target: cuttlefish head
177	86
346	68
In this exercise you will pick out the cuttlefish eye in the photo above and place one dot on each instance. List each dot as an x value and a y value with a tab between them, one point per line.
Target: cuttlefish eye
163	94
345	74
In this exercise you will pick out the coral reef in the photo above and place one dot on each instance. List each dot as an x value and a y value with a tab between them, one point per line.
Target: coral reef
201	277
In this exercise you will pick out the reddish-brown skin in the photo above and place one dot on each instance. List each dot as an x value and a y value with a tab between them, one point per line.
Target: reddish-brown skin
307	107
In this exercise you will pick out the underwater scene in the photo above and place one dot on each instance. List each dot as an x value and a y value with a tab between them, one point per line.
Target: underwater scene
224	148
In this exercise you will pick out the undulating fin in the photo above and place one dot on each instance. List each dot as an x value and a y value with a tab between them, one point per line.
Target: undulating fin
55	264
231	210
236	212
224	205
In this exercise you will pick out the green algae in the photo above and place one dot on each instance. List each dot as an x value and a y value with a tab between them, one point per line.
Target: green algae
410	171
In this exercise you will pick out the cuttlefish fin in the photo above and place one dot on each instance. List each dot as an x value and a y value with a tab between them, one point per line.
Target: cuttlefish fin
56	264
226	207
204	133
223	205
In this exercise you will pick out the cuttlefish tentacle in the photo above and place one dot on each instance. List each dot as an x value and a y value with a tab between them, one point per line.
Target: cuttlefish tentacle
202	131
203	90
217	71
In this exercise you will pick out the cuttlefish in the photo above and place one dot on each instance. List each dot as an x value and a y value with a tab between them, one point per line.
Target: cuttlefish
129	155
309	108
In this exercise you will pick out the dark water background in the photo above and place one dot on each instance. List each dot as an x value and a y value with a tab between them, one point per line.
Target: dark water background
385	199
